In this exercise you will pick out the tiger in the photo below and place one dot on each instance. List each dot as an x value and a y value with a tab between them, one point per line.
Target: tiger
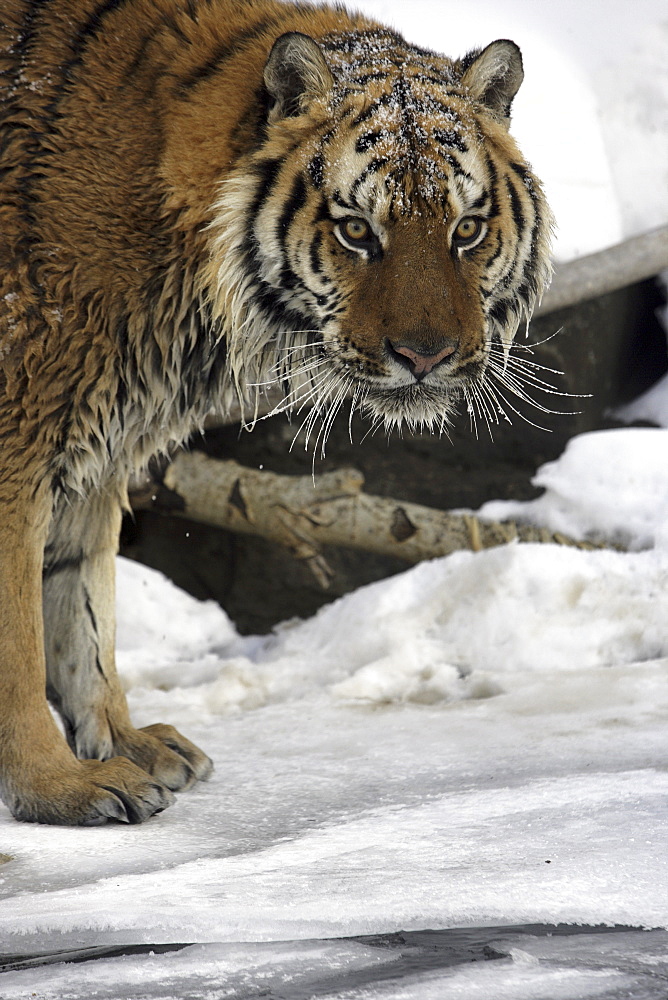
199	198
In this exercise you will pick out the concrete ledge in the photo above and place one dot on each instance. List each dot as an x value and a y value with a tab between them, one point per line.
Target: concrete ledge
597	274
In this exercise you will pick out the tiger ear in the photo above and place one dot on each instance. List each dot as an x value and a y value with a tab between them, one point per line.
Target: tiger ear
296	71
494	75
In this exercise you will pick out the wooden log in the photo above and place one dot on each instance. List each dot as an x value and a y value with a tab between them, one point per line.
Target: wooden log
305	514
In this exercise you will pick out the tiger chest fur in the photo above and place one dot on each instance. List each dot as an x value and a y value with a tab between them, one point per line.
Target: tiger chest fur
197	198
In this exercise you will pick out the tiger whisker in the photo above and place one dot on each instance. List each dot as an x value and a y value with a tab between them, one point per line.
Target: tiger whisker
538	343
287	367
334	408
317	410
291	375
471	412
294	401
373	427
523	378
492	399
471	404
360	395
495	393
513	361
486	407
523	366
517	387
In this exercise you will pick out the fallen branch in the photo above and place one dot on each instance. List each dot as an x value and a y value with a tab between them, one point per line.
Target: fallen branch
304	515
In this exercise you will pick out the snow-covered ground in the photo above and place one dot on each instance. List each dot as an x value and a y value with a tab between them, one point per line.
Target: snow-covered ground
479	742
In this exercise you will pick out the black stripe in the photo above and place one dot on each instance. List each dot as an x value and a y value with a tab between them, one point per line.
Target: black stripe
529	283
61	565
253	121
516	206
314	253
527	288
224	52
266	297
201	366
480	201
414	105
367	141
267	172
497	253
88	29
339	200
79	42
367	78
386	100
90	612
493	184
25	138
499	311
277	311
532	260
520	170
322	213
450	138
453	162
316	170
296	201
364	43
434	81
528	181
371	168
173	26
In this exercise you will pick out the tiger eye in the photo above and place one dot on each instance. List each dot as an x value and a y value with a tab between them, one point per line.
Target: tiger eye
467	230
356	230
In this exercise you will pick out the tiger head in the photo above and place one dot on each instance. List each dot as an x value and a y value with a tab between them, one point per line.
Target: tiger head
385	238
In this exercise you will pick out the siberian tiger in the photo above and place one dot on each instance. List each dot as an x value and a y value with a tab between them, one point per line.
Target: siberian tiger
197	196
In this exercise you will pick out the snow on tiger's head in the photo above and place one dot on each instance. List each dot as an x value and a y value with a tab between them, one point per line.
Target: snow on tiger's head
386	238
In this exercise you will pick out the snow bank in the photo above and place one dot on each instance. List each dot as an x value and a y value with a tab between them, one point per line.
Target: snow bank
608	485
468	626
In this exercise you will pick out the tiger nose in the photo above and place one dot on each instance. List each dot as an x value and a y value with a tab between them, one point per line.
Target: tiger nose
421	362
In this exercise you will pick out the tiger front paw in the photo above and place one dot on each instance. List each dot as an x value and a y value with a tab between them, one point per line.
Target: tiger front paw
88	793
163	752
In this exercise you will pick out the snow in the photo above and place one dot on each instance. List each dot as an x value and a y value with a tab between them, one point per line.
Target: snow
479	742
581	501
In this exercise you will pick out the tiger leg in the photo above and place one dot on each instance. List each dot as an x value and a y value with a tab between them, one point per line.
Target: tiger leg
79	622
40	779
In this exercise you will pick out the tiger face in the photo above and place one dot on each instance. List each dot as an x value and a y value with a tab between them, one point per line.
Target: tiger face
385	240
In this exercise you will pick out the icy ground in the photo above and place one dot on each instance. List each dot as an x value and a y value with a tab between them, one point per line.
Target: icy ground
477	744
